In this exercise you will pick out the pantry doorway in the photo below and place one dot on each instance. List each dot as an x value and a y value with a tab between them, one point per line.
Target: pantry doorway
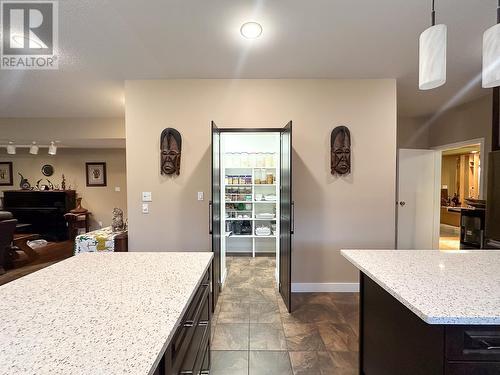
251	207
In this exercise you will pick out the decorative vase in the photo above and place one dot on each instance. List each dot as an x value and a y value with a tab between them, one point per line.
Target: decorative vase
79	209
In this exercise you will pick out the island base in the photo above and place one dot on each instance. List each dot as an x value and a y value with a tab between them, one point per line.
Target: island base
393	340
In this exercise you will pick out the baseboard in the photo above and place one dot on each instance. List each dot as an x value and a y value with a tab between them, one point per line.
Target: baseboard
325	287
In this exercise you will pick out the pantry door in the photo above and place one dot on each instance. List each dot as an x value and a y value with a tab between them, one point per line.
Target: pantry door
286	216
215	210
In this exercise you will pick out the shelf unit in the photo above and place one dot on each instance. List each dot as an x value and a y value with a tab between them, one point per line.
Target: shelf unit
250	243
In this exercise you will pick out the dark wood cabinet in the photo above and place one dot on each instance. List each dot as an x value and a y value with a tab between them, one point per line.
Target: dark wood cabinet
393	340
189	351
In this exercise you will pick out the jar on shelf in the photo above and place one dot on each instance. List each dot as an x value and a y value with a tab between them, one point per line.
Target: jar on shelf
236	160
269	178
252	159
260	161
245	161
268	160
256	177
226	180
273	160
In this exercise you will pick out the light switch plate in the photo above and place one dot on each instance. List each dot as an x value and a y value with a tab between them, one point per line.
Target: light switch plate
117	188
145	208
200	196
147	196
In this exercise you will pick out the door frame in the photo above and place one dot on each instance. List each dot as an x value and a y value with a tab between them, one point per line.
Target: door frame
482	157
254	130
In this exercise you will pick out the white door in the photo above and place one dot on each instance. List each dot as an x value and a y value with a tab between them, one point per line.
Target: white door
418	205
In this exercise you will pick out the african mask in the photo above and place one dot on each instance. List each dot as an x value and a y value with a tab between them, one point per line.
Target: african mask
170	148
341	151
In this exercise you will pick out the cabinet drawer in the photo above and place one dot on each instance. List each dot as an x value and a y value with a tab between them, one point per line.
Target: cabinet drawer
473	343
472	368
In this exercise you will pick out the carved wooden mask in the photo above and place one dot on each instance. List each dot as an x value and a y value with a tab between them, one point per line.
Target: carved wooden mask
341	151
170	150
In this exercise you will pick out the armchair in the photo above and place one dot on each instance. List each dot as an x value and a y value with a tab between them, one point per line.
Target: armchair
7	229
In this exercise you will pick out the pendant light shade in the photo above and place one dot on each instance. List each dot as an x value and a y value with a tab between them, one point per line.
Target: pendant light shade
491	57
432	61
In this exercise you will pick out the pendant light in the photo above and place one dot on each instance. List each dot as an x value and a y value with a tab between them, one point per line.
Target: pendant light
432	61
491	54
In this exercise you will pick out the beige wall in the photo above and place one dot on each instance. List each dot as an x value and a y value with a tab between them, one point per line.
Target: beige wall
71	132
469	121
99	200
331	213
413	132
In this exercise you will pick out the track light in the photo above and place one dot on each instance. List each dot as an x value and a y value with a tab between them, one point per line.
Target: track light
52	149
11	148
432	64
33	149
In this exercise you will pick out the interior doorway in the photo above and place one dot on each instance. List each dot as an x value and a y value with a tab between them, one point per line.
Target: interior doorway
251	206
440	197
250	196
461	190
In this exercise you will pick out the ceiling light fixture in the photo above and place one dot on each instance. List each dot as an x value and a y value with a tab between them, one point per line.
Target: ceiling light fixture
52	149
432	64
491	54
11	148
34	149
251	30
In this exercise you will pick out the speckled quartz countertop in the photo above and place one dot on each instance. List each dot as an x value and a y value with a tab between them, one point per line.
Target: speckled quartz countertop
441	287
96	313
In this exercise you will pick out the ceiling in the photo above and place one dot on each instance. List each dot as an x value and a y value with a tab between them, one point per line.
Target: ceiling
463	150
103	43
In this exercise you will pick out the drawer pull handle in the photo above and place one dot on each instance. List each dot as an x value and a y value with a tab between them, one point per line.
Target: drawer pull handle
489	346
189	323
203	323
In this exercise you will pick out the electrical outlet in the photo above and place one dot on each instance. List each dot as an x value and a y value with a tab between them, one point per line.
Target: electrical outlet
147	196
200	196
145	208
100	224
117	188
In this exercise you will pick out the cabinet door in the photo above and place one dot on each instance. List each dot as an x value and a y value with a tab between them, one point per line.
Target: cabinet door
215	209
286	216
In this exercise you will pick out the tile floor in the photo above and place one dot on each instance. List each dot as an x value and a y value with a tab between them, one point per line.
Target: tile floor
253	334
449	238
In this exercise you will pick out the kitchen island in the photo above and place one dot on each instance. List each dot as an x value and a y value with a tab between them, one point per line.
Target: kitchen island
428	311
109	313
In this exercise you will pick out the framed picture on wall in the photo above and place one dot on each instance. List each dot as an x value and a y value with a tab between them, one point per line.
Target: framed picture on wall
6	175
96	174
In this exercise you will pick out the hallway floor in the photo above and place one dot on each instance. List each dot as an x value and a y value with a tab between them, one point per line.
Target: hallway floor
449	238
254	335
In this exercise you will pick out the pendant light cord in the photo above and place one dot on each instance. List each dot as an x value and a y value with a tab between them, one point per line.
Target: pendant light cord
433	13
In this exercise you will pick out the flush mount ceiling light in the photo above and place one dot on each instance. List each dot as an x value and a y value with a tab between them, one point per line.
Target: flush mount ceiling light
491	54
432	60
52	149
33	149
251	30
11	148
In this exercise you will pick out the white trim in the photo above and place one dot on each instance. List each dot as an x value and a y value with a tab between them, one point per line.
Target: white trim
325	287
